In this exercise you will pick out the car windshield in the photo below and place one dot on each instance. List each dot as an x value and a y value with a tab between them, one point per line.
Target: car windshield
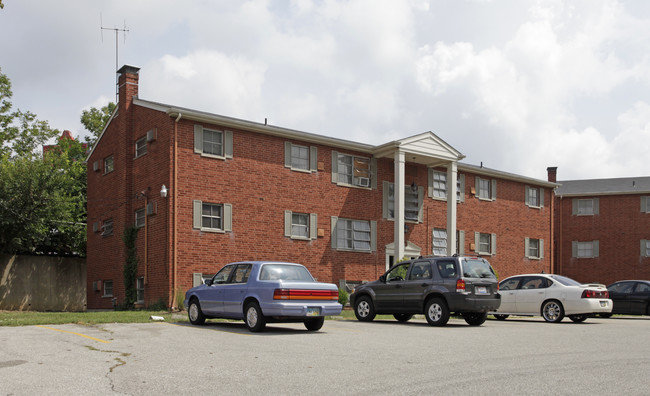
477	268
285	272
564	280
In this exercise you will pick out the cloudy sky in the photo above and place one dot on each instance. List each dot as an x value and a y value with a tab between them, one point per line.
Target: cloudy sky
519	85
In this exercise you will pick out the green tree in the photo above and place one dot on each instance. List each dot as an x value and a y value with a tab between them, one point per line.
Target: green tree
94	121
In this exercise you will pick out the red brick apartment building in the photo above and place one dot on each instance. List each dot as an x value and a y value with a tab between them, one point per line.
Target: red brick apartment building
602	228
206	190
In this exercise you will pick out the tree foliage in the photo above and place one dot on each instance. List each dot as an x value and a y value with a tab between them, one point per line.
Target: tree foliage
94	121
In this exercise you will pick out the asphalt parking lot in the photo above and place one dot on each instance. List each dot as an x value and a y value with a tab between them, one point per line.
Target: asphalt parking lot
520	356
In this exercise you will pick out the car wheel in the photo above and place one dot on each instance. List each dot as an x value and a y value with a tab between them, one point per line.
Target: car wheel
363	309
501	317
194	313
552	311
255	320
436	312
403	317
647	311
313	324
607	315
578	318
475	318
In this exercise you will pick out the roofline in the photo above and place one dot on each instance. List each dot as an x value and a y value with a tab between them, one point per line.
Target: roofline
505	175
597	194
102	134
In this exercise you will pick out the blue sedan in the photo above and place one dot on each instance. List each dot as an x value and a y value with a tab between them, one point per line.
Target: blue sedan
261	292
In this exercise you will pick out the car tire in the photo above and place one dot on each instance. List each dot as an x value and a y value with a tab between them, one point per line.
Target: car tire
253	317
578	318
552	311
436	312
363	309
608	315
314	324
194	313
501	317
475	318
402	317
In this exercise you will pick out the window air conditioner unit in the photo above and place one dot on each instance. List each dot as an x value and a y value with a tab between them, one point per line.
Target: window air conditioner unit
364	182
97	285
96	166
95	227
151	208
151	135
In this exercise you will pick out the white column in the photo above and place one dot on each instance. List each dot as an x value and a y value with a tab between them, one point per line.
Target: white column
399	205
452	177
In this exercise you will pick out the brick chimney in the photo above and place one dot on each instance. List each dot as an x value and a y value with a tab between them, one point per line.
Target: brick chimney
127	83
552	173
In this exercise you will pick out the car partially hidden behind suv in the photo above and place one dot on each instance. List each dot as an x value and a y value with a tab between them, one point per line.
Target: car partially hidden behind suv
433	286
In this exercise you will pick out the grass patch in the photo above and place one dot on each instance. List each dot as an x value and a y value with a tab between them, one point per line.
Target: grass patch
28	318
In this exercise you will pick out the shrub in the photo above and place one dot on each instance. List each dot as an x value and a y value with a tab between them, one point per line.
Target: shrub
343	297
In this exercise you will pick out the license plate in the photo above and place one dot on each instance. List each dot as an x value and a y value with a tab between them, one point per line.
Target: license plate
603	304
481	290
313	311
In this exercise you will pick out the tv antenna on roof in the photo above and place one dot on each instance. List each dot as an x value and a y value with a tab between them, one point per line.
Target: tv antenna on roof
124	30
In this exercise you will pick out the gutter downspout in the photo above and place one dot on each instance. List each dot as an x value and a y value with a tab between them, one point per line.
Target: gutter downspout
174	217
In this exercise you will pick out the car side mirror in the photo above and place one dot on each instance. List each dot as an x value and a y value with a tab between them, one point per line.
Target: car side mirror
207	282
382	279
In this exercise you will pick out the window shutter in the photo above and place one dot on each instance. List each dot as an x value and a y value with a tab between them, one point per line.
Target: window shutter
461	243
527	200
313	226
313	158
335	167
373	173
334	219
526	241
197	279
493	241
430	182
644	205
287	154
574	249
197	213
644	249
541	198
595	248
477	181
384	196
477	239
574	208
596	206
494	190
541	248
461	177
227	152
198	139
287	223
420	204
227	217
373	236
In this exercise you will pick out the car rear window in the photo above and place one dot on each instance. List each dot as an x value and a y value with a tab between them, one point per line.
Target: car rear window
285	272
477	268
564	280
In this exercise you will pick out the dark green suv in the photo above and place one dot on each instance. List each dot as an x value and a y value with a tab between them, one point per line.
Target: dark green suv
433	286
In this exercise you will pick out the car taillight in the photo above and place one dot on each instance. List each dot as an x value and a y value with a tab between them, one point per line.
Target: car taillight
305	294
594	294
460	286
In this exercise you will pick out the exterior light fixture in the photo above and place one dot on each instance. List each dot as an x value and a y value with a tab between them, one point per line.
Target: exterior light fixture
163	191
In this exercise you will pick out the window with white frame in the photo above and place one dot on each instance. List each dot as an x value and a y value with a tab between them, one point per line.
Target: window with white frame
212	142
486	189
438	186
354	235
485	243
300	158
534	248
141	147
534	197
645	248
413	201
585	207
108	288
350	170
439	242
300	225
140	217
108	164
107	227
587	249
212	216
645	204
140	290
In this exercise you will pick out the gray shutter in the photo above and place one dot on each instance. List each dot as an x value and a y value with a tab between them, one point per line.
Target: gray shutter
574	249
287	154
384	198
197	279
373	236
574	207
541	248
494	190
461	177
527	200
430	182
477	239
420	204
227	144
335	167
461	243
198	139
596	206
644	249
477	182
287	223
313	158
373	173
313	226
541	197
526	243
595	248
334	219
197	213
493	241
227	217
644	205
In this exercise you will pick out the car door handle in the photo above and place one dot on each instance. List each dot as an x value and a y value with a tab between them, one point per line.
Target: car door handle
424	285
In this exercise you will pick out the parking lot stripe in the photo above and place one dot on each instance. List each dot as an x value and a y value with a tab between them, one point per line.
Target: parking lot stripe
72	332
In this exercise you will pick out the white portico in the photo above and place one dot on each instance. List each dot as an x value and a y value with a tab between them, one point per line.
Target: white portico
423	149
